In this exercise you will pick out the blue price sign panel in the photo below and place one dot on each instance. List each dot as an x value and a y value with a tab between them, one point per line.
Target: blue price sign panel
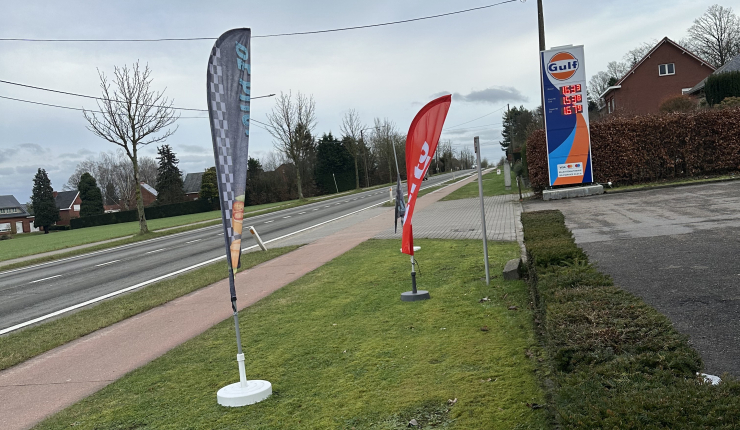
566	115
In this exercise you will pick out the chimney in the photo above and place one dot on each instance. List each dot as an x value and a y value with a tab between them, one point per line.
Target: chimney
55	194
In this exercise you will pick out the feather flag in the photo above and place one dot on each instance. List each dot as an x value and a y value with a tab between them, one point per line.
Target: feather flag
229	80
400	204
421	143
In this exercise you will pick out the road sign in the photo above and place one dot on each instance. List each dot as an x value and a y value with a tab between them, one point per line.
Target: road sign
563	79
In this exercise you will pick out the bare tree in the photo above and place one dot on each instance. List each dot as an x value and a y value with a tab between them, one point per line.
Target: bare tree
383	138
291	123
634	56
148	170
715	36
351	127
132	115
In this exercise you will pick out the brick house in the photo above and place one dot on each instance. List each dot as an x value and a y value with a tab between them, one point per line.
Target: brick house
666	71
148	194
68	203
14	219
733	65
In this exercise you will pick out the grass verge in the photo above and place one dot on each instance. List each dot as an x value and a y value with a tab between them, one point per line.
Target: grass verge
421	193
493	185
17	347
125	241
23	245
612	360
342	351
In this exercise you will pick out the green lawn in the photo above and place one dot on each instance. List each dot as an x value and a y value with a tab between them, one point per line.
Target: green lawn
342	351
23	245
493	185
19	346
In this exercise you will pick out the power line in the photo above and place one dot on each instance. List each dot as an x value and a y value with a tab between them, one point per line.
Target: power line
110	100
97	111
475	127
358	27
463	123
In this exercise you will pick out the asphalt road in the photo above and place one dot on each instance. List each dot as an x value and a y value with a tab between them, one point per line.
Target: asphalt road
676	248
33	292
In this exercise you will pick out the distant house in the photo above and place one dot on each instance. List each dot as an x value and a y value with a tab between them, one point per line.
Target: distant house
191	185
148	194
666	71
731	66
14	219
68	203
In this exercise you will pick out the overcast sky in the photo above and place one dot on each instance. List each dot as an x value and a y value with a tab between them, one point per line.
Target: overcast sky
485	58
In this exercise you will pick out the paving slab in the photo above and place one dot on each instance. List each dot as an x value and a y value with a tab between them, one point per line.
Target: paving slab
677	249
52	381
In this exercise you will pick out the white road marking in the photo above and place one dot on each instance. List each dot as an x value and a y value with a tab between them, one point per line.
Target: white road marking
301	213
193	241
336	204
110	262
220	234
177	272
316	209
286	217
45	279
156	250
267	222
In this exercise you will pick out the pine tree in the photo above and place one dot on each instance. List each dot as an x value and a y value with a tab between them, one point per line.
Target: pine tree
111	197
169	177
44	208
208	186
92	198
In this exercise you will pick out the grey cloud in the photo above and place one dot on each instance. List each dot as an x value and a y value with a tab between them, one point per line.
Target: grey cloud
76	155
5	154
194	148
492	95
26	170
32	147
6	171
439	94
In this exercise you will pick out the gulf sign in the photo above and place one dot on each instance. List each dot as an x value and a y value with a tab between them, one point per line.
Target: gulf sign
562	66
563	77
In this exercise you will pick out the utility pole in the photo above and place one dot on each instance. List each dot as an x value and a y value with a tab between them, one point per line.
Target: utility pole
541	29
541	24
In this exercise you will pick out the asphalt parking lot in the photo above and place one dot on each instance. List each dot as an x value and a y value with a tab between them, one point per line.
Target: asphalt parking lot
678	249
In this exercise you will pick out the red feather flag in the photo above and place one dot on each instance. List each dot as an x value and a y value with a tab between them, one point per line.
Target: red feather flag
421	143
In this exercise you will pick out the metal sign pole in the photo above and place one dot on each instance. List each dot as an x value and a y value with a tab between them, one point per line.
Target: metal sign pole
482	210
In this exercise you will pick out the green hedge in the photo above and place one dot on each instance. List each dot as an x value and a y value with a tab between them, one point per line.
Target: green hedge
612	360
649	148
152	212
722	85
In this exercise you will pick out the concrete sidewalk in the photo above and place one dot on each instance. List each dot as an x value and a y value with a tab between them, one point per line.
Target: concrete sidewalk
59	378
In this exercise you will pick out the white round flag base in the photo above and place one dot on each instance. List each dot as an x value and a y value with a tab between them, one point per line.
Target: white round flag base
235	395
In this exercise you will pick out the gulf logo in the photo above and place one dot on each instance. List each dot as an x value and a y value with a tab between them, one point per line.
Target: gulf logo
562	66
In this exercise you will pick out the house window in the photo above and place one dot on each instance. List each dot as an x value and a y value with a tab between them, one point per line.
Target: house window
76	208
666	69
610	105
10	210
4	226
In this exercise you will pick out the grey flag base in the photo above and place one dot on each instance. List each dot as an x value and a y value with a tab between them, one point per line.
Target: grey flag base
244	392
414	295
